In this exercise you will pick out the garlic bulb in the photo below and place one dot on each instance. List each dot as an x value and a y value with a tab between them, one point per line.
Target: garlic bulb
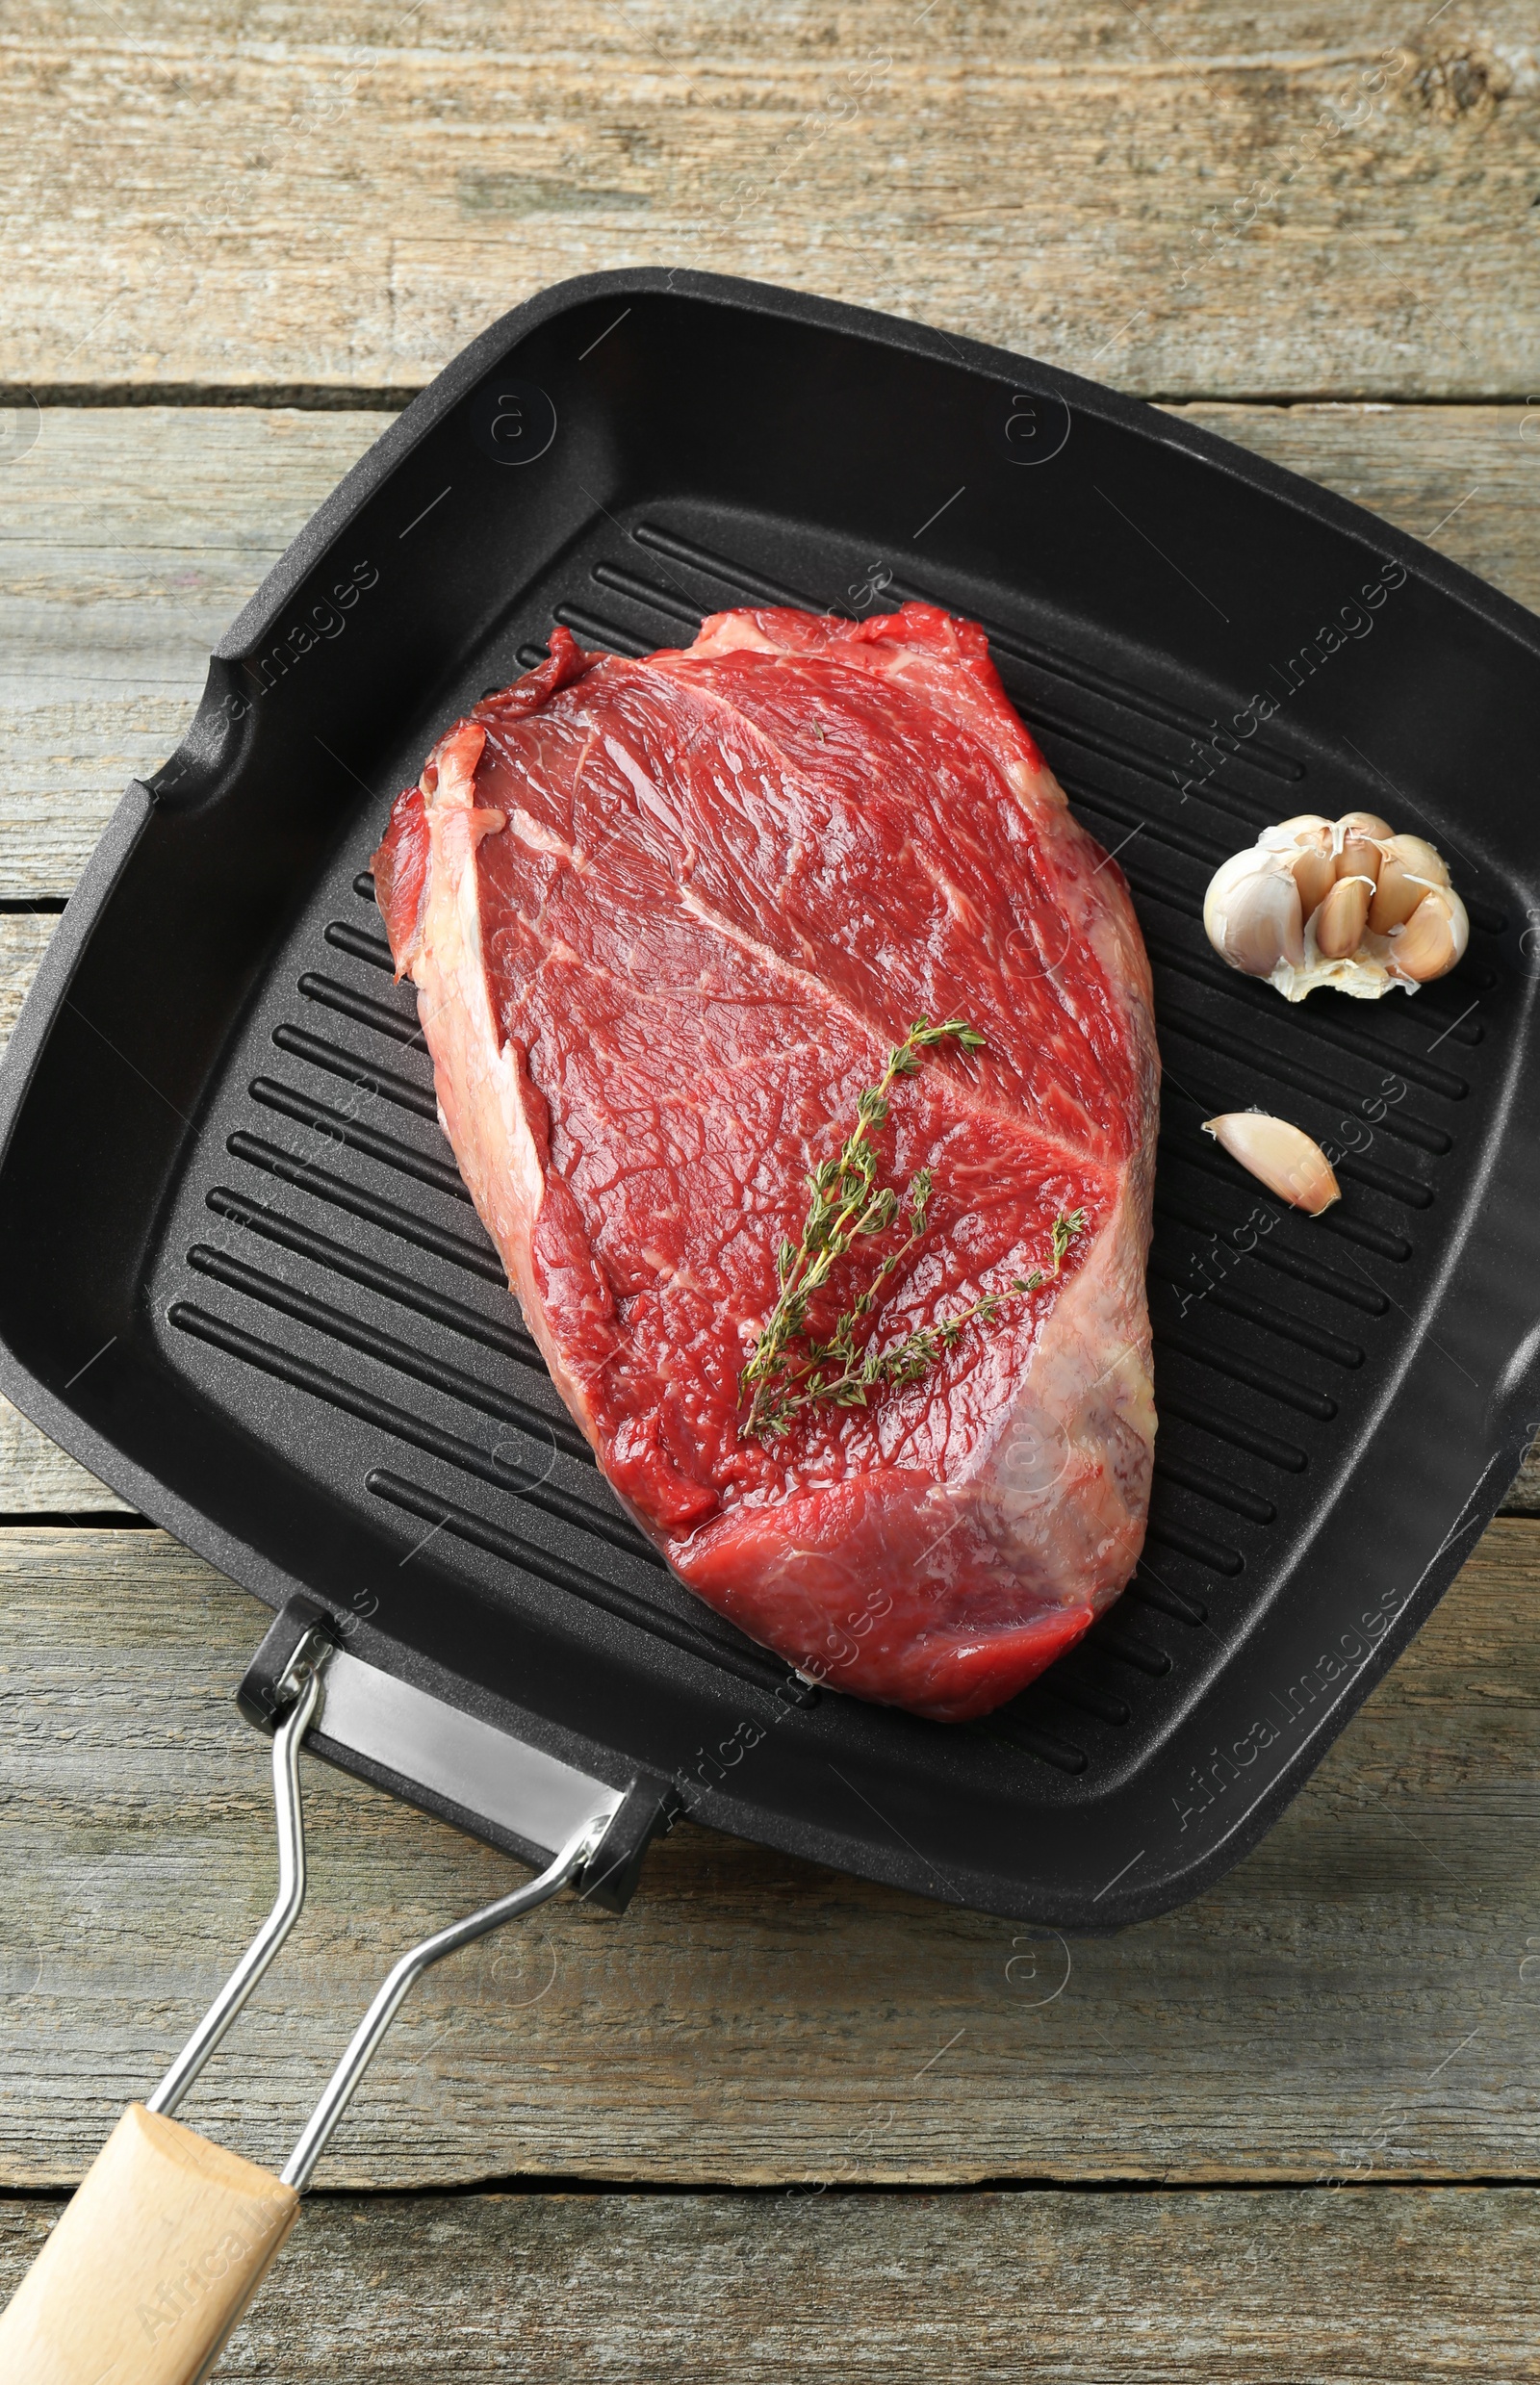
1281	1156
1343	903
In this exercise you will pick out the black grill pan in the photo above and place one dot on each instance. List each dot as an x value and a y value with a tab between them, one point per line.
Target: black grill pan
246	1288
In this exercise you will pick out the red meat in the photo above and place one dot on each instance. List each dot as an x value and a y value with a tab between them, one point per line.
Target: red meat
667	917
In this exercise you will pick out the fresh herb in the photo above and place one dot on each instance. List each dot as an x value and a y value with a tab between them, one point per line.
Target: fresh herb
846	1202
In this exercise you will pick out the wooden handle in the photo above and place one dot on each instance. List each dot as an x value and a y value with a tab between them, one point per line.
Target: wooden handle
151	2264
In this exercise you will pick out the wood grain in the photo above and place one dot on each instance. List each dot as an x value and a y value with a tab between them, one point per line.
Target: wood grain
128	542
1357	2002
151	2263
37	1479
1327	2288
1189	201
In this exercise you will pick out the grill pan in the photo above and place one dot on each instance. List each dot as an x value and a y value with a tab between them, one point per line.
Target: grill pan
248	1291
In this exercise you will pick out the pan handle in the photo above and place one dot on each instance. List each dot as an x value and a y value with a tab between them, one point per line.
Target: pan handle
152	2263
409	1727
168	2237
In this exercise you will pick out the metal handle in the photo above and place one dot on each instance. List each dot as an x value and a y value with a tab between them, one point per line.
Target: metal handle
166	2242
582	1844
302	1680
414	1733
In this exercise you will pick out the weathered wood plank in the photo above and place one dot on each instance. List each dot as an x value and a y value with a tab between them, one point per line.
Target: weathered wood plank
38	1480
1217	203
128	542
23	940
1357	2002
1324	2288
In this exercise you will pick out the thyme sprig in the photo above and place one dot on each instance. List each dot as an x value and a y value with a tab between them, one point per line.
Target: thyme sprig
846	1202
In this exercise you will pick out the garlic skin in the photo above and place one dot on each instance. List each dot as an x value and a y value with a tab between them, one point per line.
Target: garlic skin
1345	903
1252	913
1280	1156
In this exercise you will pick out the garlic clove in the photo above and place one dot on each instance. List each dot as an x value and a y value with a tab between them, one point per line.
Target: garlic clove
1359	857
1252	914
1434	939
1306	845
1400	888
1418	857
1280	1156
1340	920
1314	874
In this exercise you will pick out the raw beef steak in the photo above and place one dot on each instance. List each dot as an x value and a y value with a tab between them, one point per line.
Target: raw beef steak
667	919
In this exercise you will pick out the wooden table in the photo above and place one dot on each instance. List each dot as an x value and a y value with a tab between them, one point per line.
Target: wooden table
774	2123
